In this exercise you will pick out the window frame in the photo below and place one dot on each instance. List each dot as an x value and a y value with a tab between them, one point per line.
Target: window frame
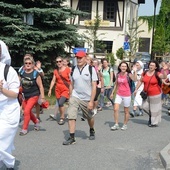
105	10
82	18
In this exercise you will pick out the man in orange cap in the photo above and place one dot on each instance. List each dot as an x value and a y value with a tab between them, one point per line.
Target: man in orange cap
82	92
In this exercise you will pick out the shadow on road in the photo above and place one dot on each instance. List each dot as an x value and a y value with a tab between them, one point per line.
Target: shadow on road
78	134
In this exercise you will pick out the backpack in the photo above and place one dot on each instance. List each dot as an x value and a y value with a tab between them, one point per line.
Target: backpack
20	95
34	73
114	77
131	84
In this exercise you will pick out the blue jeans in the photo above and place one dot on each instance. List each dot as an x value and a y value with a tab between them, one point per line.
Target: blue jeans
107	93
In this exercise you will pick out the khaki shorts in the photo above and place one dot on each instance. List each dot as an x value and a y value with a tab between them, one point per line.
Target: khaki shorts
74	104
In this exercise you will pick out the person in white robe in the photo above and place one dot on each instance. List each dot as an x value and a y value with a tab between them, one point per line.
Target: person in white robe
9	109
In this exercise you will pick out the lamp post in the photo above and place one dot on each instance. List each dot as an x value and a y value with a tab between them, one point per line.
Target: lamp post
153	30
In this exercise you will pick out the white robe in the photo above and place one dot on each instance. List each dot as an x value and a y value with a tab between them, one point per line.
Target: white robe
9	117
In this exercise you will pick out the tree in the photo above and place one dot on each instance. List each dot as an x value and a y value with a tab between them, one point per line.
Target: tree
119	53
110	58
38	27
47	32
133	37
91	35
162	31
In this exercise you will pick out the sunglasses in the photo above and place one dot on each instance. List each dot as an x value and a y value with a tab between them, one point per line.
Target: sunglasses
59	61
28	63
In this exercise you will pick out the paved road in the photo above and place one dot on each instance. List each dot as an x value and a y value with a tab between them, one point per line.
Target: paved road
135	149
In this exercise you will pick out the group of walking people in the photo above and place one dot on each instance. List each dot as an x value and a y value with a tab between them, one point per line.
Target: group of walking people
81	85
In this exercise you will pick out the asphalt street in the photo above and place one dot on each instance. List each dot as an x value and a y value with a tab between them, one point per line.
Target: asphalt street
137	148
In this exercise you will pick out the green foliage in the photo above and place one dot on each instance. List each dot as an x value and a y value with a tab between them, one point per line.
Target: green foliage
133	36
148	20
119	53
110	58
46	38
91	35
162	33
162	28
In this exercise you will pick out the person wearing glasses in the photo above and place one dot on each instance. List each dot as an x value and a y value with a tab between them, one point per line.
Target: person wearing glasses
61	77
9	109
32	86
37	67
152	86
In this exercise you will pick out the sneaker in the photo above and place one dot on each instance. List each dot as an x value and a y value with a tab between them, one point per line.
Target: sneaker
140	112
61	121
124	127
23	132
53	117
108	104
37	126
92	135
115	127
69	141
133	113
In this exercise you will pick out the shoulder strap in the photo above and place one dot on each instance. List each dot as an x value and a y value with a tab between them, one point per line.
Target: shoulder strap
35	74
109	70
6	69
128	78
90	70
22	72
72	70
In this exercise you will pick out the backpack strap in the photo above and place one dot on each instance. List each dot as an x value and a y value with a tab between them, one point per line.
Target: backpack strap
72	70
128	78
6	69
109	70
35	74
90	71
22	72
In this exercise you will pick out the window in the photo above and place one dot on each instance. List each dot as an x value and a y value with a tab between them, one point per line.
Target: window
109	45
109	10
85	6
144	44
104	46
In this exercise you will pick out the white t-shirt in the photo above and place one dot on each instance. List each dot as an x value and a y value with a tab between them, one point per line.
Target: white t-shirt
9	107
82	82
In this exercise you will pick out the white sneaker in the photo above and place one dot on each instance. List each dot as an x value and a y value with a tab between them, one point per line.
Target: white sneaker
95	112
53	117
124	127
115	127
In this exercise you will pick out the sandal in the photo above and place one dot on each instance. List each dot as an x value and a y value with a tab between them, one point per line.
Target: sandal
23	132
99	109
61	122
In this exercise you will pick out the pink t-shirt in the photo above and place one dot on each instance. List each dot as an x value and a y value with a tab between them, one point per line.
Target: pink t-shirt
123	86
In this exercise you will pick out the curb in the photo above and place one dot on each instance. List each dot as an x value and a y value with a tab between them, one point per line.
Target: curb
165	157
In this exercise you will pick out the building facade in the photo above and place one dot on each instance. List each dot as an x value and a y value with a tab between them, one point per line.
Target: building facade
115	15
